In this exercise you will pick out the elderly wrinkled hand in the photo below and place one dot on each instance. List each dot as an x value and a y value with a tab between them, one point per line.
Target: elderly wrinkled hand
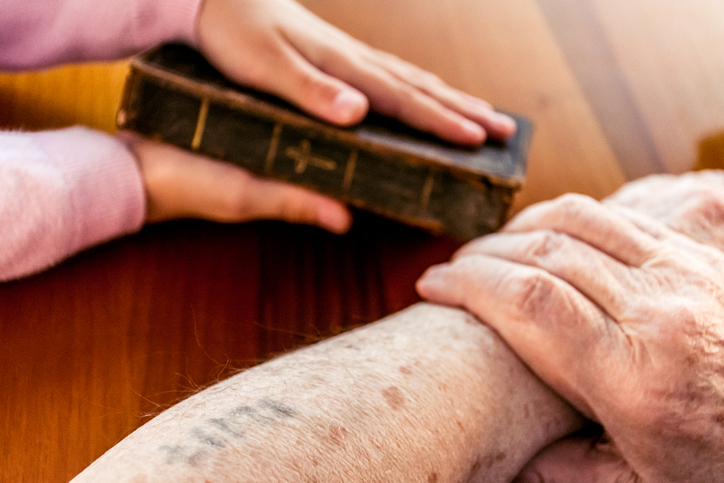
620	314
280	47
691	203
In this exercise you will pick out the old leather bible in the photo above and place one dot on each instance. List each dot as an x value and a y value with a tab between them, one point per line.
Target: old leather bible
172	94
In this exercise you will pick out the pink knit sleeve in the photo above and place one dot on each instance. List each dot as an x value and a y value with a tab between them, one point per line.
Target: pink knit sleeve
62	191
37	34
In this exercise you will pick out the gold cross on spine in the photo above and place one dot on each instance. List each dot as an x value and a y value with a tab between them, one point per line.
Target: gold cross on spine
302	158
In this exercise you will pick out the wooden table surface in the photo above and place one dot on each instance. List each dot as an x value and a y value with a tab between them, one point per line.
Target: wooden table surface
94	347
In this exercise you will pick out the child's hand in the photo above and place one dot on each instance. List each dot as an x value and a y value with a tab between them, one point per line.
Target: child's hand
280	47
180	184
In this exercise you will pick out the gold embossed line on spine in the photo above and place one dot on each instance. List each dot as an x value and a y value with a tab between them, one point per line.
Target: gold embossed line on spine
271	154
200	124
349	171
426	192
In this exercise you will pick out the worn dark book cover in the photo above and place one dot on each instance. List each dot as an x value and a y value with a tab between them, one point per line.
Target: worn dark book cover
172	94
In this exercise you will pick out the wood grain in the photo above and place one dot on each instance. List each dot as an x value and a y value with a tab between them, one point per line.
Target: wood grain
63	96
90	349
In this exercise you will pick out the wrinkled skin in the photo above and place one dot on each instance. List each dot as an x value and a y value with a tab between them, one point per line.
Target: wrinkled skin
691	204
619	306
580	460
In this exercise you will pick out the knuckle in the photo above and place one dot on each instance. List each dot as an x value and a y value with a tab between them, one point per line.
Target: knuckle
433	79
706	202
545	243
259	73
316	87
572	204
427	80
690	324
406	96
535	294
331	60
388	60
401	101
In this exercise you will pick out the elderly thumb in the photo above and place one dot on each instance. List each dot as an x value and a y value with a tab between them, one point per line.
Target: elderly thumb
578	460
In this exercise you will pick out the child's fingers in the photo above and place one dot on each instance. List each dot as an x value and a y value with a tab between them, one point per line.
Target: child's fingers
180	184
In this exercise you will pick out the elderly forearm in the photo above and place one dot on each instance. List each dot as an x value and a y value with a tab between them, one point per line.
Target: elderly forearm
428	394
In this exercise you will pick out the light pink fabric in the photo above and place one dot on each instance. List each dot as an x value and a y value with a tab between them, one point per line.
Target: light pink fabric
62	191
37	34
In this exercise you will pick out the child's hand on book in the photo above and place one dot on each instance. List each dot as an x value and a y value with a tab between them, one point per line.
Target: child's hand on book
180	184
280	47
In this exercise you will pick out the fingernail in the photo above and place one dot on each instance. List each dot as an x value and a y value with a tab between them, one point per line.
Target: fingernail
474	131
349	106
429	281
505	123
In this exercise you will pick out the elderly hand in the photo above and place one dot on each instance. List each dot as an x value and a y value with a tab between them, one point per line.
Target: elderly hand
280	47
691	203
621	315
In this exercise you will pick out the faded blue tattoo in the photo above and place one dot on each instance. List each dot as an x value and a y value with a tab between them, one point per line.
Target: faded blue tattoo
216	433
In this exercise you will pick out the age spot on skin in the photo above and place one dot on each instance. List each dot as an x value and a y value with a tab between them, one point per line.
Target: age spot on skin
500	457
719	419
492	460
406	371
394	397
337	434
433	478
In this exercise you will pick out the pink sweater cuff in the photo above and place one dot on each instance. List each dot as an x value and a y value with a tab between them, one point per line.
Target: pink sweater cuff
105	190
63	191
160	21
41	34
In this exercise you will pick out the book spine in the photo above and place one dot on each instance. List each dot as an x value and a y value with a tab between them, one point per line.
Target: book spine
393	185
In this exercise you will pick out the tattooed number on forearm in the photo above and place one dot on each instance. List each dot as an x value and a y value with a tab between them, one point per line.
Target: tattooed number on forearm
216	433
